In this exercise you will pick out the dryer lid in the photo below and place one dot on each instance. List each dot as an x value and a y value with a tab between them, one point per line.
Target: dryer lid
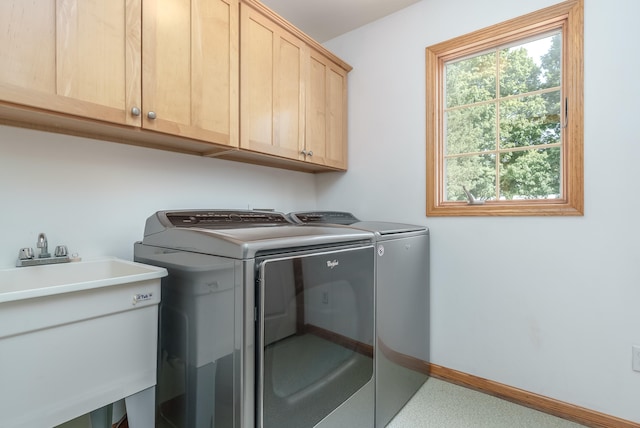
324	217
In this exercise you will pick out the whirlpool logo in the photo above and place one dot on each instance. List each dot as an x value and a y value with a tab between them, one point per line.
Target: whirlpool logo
332	263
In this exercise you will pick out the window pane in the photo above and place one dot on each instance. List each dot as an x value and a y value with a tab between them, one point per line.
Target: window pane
530	120
550	62
530	174
470	80
476	173
471	129
530	66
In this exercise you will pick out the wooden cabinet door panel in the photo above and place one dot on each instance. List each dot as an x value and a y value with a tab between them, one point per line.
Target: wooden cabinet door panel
316	134
215	46
272	87
190	68
28	46
336	140
257	74
326	128
289	100
72	56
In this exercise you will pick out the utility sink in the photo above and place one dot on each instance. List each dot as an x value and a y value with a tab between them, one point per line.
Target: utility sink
75	337
47	280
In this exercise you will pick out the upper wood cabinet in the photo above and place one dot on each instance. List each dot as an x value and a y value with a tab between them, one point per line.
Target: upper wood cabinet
223	78
293	97
190	68
72	56
170	66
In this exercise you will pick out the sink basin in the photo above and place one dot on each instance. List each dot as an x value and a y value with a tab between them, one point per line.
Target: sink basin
46	280
75	337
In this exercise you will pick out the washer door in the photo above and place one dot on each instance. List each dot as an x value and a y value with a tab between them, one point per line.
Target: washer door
315	332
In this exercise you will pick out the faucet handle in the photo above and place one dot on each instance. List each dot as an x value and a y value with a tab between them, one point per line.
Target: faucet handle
25	253
61	251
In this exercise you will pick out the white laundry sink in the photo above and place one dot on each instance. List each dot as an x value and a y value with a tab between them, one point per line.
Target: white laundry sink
75	337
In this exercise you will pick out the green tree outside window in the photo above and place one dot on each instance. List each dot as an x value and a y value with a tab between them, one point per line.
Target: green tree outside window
503	122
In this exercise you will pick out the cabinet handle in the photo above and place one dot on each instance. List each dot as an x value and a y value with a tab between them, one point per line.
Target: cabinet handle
151	115
304	152
135	111
310	152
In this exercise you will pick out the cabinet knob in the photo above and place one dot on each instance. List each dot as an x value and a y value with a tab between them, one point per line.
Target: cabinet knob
310	153
151	115
135	111
304	152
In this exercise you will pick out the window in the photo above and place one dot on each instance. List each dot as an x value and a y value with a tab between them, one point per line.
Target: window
505	118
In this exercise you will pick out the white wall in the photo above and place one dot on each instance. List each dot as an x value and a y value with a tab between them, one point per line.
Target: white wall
95	196
549	305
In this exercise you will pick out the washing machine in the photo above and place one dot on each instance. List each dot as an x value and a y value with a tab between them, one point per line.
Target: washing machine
263	323
402	306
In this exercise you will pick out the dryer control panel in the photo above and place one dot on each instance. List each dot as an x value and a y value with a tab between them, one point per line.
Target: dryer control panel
324	217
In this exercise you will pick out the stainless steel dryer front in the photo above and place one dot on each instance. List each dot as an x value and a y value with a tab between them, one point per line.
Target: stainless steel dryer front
262	323
402	306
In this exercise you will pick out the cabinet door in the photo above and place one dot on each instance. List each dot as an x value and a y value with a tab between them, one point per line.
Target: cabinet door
190	69
80	57
326	113
272	70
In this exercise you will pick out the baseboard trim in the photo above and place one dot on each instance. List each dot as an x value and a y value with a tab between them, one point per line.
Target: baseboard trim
558	408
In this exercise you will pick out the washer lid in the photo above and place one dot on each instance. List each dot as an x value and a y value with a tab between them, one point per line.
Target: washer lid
240	234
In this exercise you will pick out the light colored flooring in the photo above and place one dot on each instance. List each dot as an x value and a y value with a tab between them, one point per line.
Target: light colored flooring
439	404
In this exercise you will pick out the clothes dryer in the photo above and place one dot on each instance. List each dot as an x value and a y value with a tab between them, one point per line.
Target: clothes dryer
402	306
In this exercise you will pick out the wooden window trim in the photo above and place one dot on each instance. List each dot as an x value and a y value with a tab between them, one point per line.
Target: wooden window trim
568	15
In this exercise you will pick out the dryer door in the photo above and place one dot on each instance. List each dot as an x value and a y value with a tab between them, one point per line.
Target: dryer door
315	332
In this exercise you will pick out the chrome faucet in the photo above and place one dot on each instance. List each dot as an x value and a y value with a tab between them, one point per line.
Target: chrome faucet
43	245
26	255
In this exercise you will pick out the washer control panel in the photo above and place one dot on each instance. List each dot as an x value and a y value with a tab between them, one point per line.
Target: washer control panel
225	218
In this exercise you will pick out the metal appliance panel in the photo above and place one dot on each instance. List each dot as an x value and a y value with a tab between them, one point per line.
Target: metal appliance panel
383	228
316	332
402	306
199	347
402	321
207	368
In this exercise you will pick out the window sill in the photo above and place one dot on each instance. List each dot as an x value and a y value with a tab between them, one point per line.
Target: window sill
519	208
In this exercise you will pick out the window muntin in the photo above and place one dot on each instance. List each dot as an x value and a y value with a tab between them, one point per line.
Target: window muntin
504	104
497	107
